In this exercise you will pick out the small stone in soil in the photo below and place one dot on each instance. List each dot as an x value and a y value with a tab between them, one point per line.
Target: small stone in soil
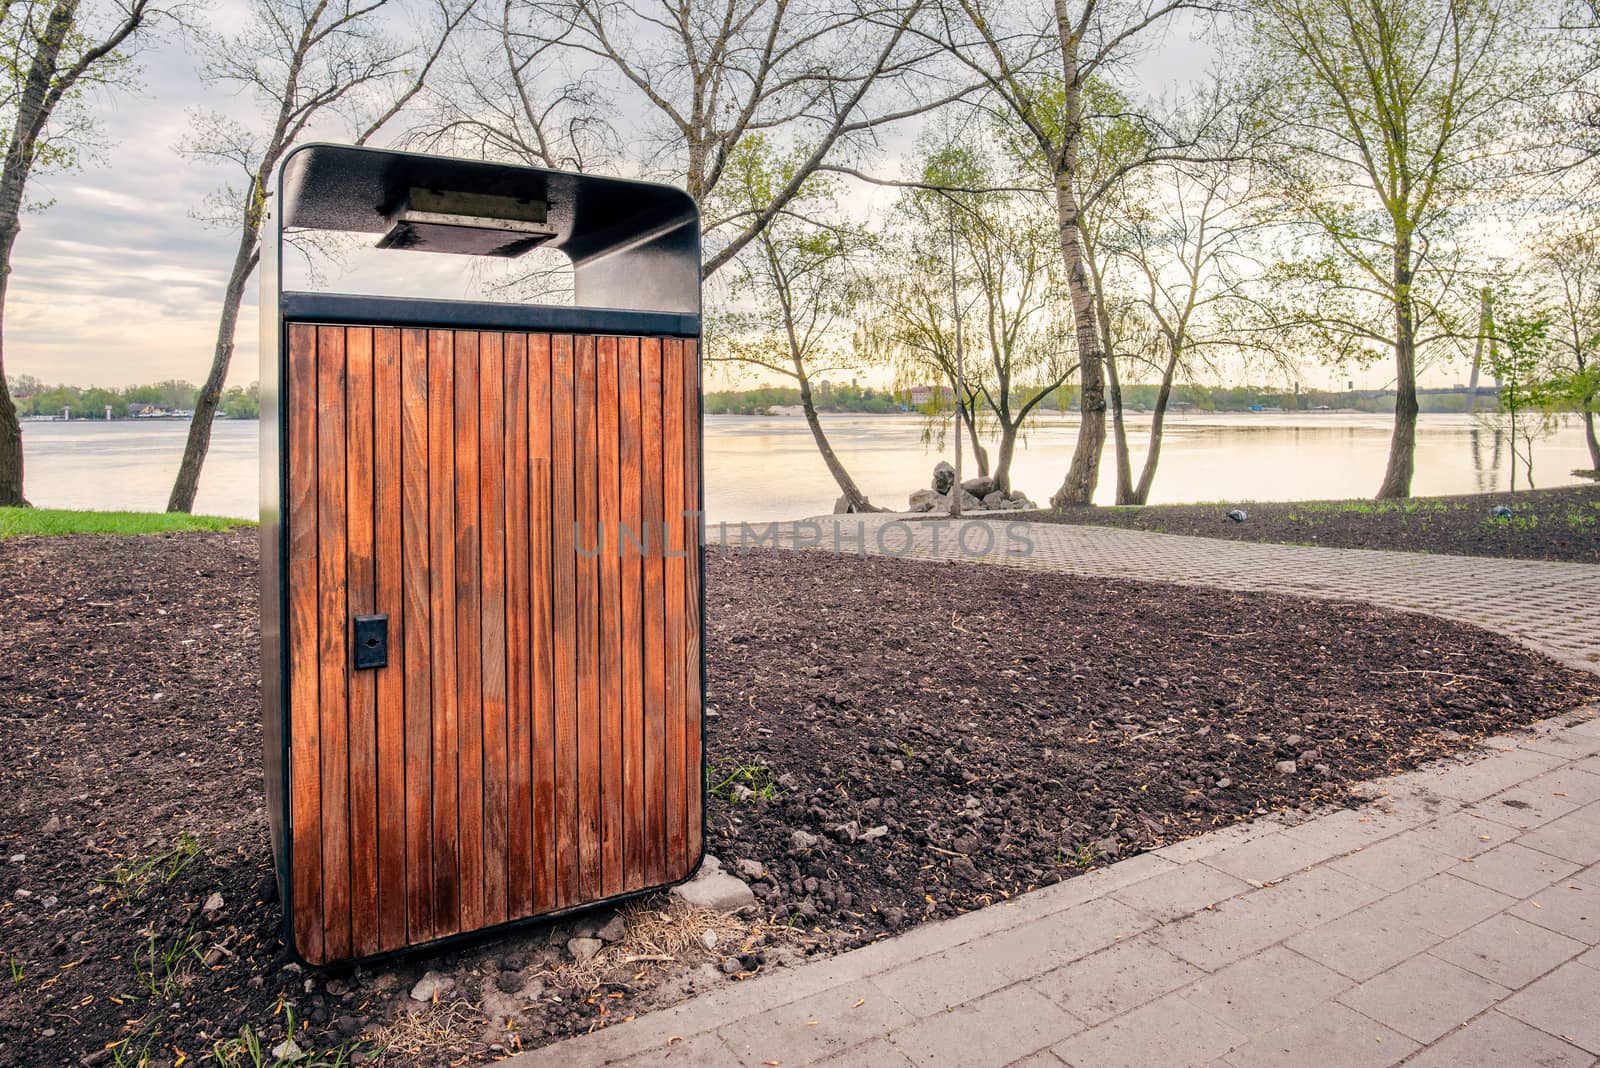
1286	767
708	938
583	949
213	903
731	966
430	986
614	930
800	840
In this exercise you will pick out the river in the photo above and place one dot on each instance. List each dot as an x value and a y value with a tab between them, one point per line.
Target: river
760	468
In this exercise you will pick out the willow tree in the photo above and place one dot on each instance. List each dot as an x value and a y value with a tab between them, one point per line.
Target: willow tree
794	289
1393	118
1566	258
56	54
956	226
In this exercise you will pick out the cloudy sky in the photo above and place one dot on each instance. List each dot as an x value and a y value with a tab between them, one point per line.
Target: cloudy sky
118	282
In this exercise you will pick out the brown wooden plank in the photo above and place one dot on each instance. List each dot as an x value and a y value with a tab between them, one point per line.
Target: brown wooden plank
492	540
655	714
693	698
519	677
541	594
672	493
469	626
414	637
305	756
333	655
610	510
442	624
563	565
387	563
586	467
361	578
632	641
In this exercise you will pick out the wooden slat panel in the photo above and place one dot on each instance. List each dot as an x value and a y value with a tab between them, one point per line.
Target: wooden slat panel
693	759
332	643
672	479
586	499
469	626
387	562
361	579
414	639
519	680
655	712
305	755
442	632
535	742
632	663
563	567
541	594
610	510
492	539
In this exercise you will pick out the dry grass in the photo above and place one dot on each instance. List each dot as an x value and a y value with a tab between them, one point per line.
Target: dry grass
444	1025
662	931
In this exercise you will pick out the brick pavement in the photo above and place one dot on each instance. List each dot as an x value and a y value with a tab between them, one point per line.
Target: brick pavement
1554	607
1452	922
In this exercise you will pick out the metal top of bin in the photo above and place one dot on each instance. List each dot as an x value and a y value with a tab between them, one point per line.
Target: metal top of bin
633	245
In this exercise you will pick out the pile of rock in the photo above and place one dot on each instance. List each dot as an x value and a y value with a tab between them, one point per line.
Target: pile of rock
977	494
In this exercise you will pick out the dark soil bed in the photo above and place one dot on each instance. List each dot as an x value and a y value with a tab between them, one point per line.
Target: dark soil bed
1552	524
890	742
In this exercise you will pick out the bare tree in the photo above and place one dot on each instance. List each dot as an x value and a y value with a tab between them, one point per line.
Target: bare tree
525	105
301	61
1039	74
57	53
794	289
1185	259
813	75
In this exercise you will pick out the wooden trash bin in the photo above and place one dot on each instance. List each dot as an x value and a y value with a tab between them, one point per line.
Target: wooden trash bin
481	569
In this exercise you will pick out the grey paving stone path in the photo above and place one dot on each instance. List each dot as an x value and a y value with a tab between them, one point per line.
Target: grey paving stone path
1454	921
1554	607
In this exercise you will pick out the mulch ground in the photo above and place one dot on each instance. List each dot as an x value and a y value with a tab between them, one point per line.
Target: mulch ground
890	742
1552	524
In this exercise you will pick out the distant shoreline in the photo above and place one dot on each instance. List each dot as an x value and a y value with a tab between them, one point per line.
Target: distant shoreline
133	419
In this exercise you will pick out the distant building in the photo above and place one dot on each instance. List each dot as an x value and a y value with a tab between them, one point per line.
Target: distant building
922	396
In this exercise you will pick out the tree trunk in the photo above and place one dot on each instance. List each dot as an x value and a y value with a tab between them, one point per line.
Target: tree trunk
205	405
1084	471
1403	443
854	498
1485	330
1119	433
10	428
1158	419
1588	432
10	452
1008	449
969	416
31	114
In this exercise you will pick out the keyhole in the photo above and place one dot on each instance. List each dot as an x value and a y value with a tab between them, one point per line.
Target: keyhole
372	643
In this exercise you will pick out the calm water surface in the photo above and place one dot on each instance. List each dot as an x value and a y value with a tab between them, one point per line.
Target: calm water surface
767	467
